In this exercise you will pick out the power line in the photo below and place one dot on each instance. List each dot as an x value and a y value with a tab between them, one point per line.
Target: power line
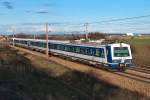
122	19
71	23
127	22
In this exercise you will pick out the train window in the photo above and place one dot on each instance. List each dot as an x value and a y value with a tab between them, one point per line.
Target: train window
102	54
66	48
53	45
86	51
107	52
44	45
31	43
97	53
77	49
70	48
58	47
121	52
37	44
93	51
90	52
62	47
34	43
16	41
81	50
40	44
49	45
73	49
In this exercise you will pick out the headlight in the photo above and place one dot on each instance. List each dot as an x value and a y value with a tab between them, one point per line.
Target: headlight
116	61
128	61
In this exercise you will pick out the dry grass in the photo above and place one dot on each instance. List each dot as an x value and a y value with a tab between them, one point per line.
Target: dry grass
141	55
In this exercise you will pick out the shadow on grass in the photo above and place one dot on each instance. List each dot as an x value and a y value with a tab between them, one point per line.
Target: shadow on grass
20	81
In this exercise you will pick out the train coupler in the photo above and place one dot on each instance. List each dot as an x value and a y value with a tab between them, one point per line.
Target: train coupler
122	67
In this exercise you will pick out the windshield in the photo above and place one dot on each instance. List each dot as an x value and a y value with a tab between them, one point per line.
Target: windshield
121	52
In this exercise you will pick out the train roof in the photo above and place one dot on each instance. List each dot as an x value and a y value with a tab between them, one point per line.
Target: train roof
40	40
74	44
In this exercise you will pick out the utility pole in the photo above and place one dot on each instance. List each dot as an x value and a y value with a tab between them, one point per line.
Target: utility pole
13	30
86	30
47	48
34	30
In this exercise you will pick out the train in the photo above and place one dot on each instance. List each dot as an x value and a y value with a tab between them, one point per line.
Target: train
113	56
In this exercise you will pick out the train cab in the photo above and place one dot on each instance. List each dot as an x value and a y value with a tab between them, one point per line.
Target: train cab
118	56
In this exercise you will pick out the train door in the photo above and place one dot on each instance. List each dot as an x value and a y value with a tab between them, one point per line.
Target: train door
108	54
28	43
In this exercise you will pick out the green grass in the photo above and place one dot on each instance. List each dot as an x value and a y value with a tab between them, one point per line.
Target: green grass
144	40
138	40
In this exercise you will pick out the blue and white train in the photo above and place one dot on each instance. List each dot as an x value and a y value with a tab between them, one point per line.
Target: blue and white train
111	56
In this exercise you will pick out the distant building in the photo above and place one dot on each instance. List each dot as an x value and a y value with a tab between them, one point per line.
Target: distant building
130	34
138	35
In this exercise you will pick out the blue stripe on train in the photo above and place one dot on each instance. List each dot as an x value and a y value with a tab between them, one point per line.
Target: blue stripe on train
109	57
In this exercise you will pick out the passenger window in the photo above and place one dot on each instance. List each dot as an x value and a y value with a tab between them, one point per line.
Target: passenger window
86	51
73	49
91	52
77	49
107	52
97	53
65	48
102	54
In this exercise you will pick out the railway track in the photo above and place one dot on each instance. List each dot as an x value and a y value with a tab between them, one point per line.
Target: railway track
141	69
135	76
137	73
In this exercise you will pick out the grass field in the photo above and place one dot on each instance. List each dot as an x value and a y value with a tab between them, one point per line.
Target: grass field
139	40
141	55
21	79
141	50
142	40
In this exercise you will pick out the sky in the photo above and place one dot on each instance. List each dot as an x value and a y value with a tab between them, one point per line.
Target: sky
70	15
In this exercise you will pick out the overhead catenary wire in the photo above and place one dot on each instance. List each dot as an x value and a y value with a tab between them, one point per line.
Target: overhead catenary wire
121	19
127	22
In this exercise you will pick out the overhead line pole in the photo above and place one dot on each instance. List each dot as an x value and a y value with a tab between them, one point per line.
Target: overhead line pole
13	37
34	31
47	48
86	30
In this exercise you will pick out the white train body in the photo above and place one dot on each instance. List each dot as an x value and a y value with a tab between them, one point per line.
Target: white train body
113	56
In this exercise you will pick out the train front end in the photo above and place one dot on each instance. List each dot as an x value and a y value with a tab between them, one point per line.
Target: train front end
119	56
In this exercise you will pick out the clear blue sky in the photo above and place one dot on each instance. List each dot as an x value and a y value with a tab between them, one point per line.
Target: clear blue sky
77	11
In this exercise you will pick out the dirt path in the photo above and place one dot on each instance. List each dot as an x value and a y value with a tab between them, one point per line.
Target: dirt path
112	78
